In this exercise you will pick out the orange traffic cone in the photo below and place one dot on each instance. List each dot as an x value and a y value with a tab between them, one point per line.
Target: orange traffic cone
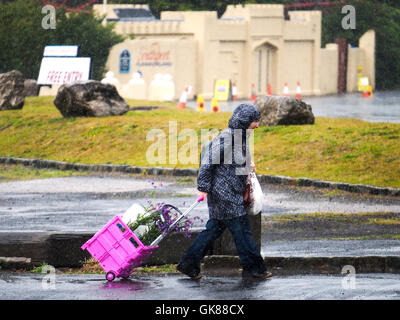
269	91
286	89
253	93
298	91
367	93
214	105
200	103
183	98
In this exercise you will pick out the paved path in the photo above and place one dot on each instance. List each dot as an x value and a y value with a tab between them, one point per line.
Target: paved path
331	248
90	184
87	203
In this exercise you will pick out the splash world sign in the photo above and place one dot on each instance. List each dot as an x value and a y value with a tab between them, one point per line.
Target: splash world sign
153	56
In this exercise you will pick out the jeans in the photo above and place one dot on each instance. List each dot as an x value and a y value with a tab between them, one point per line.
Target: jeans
250	257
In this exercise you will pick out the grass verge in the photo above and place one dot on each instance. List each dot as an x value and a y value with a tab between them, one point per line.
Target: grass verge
332	226
21	172
91	265
345	150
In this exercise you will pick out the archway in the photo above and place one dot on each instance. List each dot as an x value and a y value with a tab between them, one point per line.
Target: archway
264	58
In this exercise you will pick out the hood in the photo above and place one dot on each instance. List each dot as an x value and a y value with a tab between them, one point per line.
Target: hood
243	116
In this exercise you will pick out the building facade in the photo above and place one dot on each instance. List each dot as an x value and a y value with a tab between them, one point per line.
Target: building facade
253	46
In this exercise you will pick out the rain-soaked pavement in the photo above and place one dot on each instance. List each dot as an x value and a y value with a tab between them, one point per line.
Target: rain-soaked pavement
383	107
26	286
87	203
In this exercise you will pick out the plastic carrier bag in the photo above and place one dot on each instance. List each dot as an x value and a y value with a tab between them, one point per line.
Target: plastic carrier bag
254	201
131	215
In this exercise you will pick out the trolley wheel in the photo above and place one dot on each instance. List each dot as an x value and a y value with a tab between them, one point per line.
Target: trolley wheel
110	276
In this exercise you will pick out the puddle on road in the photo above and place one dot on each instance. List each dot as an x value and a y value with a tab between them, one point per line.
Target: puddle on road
126	284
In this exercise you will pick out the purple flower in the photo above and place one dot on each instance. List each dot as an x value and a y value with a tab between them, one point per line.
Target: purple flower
163	216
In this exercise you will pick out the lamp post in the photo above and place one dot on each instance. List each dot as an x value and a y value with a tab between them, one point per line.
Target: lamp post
105	12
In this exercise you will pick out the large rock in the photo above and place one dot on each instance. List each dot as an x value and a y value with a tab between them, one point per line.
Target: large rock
31	88
279	110
89	99
11	90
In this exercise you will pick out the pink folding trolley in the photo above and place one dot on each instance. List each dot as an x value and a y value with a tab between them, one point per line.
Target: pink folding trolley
119	250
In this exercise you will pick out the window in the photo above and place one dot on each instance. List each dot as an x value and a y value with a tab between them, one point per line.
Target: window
134	242
121	227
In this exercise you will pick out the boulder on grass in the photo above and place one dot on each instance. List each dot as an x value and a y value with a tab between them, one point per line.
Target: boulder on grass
89	99
280	110
31	88
11	90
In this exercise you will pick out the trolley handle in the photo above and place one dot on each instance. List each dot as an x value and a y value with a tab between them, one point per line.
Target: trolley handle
173	207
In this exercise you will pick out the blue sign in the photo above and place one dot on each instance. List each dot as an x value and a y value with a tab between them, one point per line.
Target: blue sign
124	61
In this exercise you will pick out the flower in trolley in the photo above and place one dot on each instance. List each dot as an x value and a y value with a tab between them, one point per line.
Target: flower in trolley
157	219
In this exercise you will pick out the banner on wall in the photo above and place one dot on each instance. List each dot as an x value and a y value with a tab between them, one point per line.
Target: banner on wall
154	56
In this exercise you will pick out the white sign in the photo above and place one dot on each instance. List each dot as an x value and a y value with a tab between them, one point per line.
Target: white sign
63	70
364	81
60	51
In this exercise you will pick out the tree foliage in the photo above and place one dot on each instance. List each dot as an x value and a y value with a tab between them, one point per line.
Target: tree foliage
370	14
23	38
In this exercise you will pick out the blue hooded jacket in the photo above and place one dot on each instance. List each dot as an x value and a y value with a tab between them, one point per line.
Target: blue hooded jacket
225	165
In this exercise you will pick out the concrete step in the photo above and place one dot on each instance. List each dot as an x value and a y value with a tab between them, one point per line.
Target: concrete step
308	265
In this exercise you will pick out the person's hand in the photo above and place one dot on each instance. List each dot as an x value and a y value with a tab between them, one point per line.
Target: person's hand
202	194
253	166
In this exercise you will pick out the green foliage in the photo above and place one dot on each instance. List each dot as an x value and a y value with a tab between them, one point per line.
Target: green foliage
148	219
370	14
156	6
23	38
40	268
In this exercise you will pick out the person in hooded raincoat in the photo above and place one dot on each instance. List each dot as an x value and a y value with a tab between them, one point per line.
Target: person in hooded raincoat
224	166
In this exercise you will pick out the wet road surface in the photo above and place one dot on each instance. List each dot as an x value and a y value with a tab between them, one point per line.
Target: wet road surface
383	107
175	287
86	204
